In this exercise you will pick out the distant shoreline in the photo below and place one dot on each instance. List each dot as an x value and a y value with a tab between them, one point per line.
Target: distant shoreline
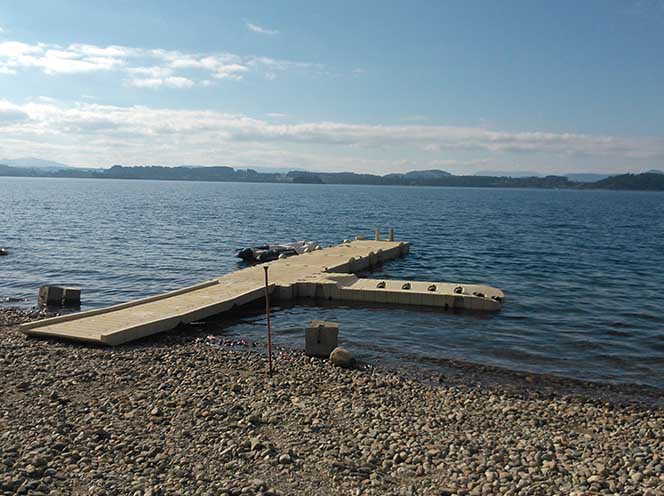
648	181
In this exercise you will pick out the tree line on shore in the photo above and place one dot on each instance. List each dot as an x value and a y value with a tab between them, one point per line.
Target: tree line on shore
649	181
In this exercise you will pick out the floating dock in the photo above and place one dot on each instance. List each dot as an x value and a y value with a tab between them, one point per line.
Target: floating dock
327	274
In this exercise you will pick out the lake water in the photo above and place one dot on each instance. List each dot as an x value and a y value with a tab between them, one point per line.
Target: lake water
583	271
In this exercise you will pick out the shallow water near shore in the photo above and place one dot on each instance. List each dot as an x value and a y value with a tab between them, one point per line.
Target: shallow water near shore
581	270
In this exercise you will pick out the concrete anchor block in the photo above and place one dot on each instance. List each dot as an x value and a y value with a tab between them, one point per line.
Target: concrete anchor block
51	295
58	296
72	296
320	338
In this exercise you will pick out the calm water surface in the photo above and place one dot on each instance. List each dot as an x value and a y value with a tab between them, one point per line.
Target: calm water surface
583	272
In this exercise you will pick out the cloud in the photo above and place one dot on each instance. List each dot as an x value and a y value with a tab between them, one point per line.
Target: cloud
9	116
145	68
153	71
255	28
96	134
168	82
16	49
52	59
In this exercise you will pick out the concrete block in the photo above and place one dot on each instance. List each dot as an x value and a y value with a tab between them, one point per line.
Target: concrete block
59	296
72	296
320	338
51	295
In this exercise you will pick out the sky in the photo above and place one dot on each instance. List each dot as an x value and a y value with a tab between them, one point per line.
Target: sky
364	86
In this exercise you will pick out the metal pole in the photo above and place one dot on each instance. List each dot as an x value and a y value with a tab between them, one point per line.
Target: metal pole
267	315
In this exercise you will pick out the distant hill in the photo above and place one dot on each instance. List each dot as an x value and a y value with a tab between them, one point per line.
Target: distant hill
579	177
263	170
654	171
426	174
497	173
648	181
33	163
586	177
642	182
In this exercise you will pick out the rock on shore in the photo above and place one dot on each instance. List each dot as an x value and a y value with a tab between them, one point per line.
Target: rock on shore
174	415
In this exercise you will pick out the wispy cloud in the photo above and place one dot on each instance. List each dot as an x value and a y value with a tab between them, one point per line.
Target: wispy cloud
157	82
106	134
259	29
143	68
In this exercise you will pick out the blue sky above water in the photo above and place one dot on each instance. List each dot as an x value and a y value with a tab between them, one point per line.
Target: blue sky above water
378	87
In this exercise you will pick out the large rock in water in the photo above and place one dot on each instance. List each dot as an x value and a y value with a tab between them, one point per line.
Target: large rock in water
341	357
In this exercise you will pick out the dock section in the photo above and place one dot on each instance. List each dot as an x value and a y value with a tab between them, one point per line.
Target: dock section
327	273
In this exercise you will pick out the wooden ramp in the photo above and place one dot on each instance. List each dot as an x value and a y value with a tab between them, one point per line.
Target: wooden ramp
317	274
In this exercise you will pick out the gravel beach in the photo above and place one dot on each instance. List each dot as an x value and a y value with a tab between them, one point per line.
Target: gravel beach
178	414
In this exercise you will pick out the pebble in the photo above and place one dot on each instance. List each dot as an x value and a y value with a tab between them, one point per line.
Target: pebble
177	414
